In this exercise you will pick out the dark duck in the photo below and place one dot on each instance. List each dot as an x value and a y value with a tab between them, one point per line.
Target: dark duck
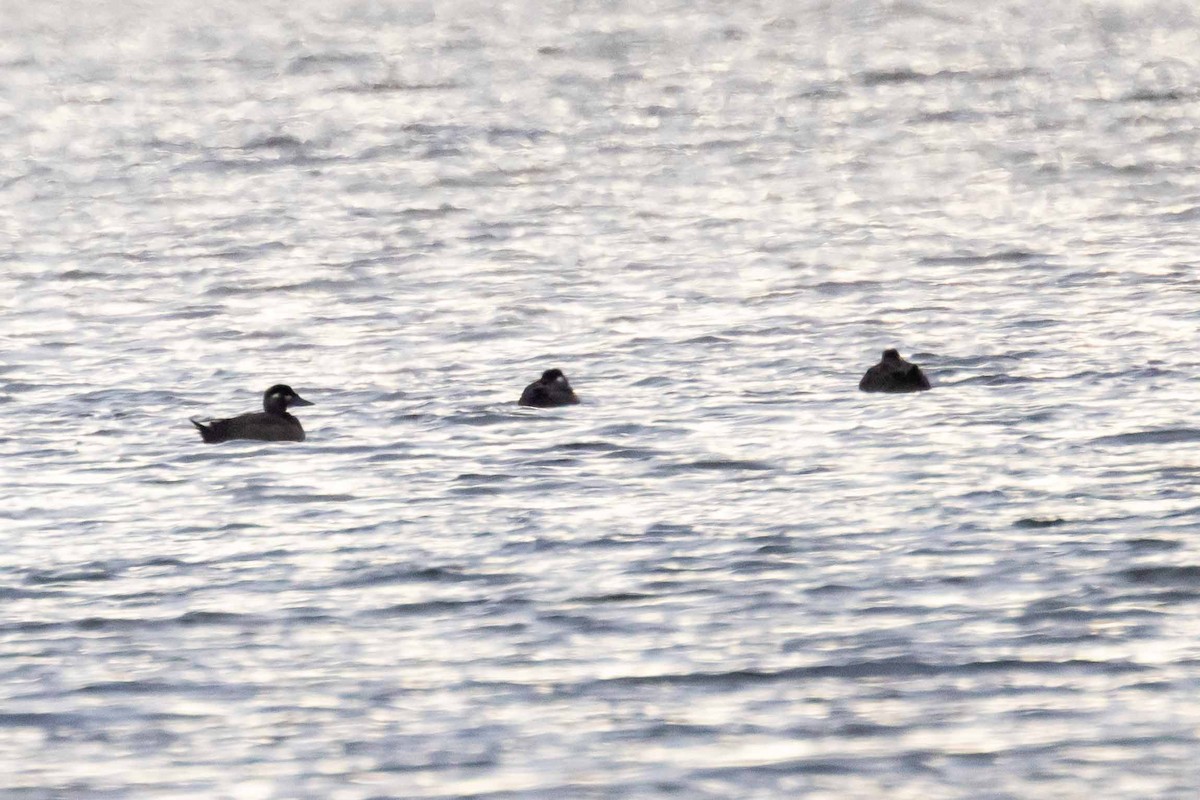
272	424
894	374
549	390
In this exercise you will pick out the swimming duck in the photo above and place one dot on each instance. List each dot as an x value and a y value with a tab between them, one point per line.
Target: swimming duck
549	390
273	424
894	374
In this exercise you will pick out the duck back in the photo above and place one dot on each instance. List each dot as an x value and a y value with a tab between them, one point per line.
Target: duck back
257	427
543	395
894	374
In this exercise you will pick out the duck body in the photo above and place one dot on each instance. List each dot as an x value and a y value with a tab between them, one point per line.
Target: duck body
548	391
894	374
272	424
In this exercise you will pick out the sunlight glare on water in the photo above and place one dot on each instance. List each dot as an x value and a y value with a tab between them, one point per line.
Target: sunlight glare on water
727	572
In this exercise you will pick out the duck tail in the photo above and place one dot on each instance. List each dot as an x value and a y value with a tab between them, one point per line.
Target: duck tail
206	433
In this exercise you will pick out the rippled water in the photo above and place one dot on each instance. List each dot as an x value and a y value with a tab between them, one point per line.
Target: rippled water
727	573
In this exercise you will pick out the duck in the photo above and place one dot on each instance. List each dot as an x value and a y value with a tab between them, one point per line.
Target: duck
272	424
549	390
894	374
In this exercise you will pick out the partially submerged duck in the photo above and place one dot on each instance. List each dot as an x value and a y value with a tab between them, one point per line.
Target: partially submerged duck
894	374
272	424
549	390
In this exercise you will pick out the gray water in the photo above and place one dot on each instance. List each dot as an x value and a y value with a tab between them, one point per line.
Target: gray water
728	573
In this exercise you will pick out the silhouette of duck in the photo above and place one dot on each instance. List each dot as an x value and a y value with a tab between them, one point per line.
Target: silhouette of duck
272	424
894	374
549	390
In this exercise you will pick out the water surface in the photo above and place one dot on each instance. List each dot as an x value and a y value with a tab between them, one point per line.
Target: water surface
727	573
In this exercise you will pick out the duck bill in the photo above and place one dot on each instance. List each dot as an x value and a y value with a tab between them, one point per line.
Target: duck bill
300	401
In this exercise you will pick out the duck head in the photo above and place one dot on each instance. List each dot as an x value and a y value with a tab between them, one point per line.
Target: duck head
280	397
552	375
